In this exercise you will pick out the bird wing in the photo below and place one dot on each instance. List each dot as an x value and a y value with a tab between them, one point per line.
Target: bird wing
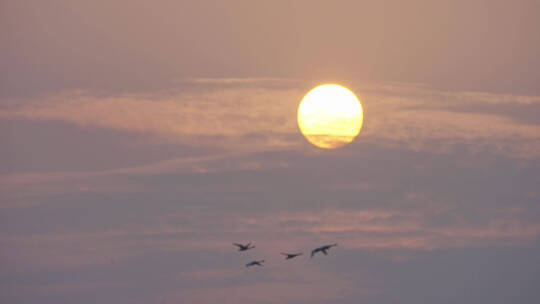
324	251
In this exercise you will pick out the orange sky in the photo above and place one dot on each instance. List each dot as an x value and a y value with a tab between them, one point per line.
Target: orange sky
141	139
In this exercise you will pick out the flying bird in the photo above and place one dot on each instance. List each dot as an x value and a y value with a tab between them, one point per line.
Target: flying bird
322	249
244	247
253	263
291	255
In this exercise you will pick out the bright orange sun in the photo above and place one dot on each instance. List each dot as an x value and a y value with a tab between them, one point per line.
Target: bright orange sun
330	116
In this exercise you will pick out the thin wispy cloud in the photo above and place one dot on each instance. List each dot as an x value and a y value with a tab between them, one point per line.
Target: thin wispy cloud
259	118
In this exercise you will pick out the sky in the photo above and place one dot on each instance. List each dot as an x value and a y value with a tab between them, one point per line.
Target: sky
141	139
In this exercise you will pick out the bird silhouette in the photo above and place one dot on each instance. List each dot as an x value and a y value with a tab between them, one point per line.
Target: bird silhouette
291	255
322	249
255	263
244	247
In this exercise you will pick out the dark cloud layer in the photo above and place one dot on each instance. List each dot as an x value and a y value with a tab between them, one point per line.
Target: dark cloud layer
416	225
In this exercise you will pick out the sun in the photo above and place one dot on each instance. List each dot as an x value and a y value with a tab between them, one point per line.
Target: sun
330	116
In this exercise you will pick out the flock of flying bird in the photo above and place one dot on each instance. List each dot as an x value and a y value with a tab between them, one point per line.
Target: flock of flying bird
288	256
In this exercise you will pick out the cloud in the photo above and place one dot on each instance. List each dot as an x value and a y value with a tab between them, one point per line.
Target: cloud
215	231
214	117
223	162
225	125
423	118
226	114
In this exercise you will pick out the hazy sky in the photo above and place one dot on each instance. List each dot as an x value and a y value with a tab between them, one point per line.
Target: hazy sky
141	138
